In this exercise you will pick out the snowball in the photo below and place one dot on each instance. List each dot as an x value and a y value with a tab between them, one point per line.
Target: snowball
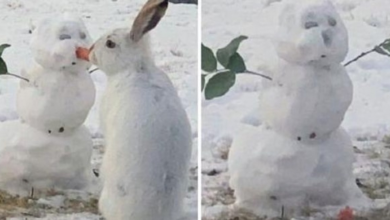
32	158
281	172
54	42
55	101
306	103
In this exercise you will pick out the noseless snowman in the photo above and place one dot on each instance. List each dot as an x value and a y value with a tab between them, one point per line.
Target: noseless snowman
49	147
300	155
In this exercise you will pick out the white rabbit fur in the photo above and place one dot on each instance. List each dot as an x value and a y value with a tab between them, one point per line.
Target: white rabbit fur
148	135
309	94
60	92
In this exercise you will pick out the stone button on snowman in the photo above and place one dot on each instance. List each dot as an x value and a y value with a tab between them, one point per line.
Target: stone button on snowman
300	155
49	147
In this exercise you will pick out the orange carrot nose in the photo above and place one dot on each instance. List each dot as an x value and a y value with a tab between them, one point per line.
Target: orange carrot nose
82	53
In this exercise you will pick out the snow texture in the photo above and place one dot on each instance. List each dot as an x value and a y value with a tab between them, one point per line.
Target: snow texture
225	120
30	158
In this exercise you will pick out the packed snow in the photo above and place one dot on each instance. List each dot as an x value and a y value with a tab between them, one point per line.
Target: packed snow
177	58
225	119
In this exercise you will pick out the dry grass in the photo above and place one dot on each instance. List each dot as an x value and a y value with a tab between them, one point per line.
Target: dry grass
235	214
16	206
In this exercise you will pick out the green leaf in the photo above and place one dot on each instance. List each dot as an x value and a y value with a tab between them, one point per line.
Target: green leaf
203	81
209	62
2	48
224	54
236	64
219	84
380	50
386	46
3	67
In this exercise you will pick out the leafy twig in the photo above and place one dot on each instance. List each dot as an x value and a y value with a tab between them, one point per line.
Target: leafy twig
381	49
220	82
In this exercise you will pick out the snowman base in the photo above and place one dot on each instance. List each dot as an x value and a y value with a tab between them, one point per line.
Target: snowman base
270	172
30	158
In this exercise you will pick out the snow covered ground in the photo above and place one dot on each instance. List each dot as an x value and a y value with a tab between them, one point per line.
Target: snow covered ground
175	48
367	119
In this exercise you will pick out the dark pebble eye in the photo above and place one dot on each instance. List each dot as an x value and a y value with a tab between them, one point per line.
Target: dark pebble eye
311	24
65	37
110	44
332	22
83	35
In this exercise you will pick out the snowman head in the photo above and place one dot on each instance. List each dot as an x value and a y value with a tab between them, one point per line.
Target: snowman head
311	31
54	42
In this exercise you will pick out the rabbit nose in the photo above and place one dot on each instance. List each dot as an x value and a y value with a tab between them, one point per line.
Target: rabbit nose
327	38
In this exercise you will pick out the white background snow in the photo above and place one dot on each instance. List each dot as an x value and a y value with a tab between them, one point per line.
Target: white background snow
367	120
174	45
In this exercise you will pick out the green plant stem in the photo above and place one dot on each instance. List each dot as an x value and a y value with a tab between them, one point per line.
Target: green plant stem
257	74
248	72
17	76
360	56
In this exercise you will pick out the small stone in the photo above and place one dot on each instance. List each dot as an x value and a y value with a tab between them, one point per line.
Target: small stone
61	129
299	138
73	63
213	173
313	135
95	172
49	131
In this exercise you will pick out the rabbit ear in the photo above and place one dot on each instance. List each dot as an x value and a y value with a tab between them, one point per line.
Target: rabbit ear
148	18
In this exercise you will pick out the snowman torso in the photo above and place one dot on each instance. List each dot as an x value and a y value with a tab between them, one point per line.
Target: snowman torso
55	101
305	102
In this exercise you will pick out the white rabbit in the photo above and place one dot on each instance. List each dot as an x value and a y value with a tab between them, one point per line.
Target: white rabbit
60	91
148	135
310	91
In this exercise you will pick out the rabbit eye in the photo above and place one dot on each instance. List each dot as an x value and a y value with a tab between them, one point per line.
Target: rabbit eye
83	35
110	44
310	24
332	22
65	37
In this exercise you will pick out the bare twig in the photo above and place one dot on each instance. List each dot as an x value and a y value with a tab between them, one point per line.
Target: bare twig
360	56
247	72
17	76
32	193
93	70
258	74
